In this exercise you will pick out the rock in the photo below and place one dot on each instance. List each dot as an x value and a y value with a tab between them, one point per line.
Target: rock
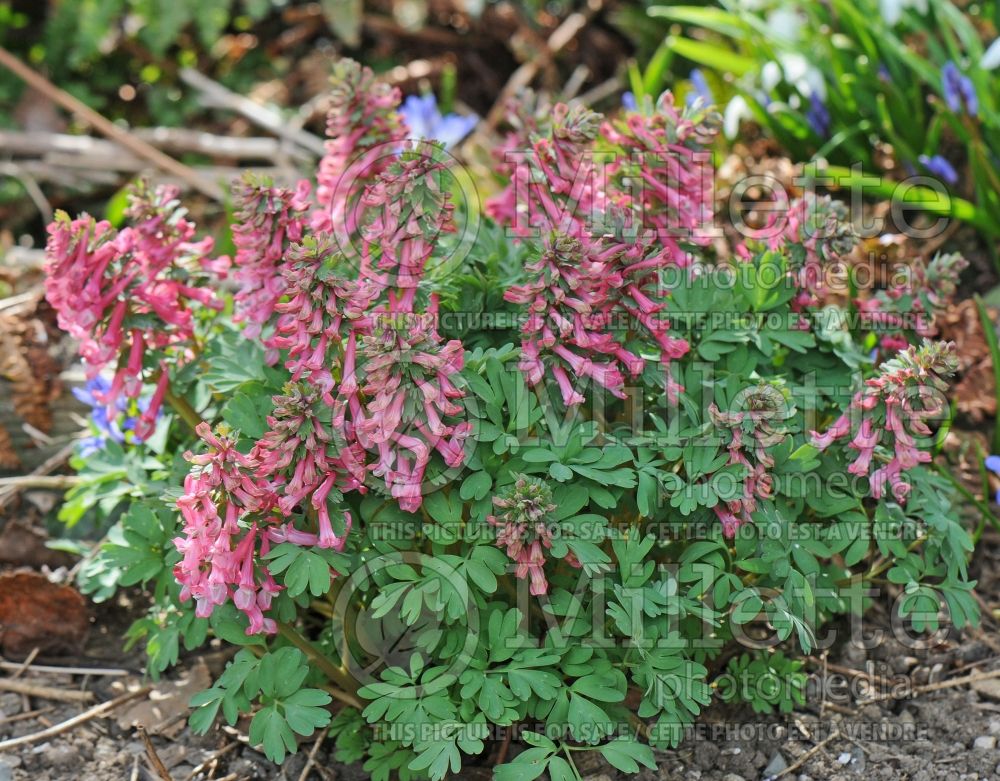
844	758
973	652
985	742
776	765
22	545
995	726
705	755
7	764
858	760
989	687
733	777
10	704
63	756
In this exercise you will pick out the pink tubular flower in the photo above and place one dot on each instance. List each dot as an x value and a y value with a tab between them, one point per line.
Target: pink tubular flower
322	297
566	295
217	563
752	429
820	226
373	380
663	171
230	507
409	399
596	271
363	128
915	301
268	219
523	521
892	407
864	442
127	296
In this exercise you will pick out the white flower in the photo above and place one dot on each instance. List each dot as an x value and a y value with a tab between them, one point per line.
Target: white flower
785	24
770	76
991	59
892	10
803	76
735	112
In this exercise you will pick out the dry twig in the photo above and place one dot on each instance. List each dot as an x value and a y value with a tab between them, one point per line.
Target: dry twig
214	758
7	493
30	714
64	726
57	670
45	692
154	759
932	687
810	753
135	145
26	663
311	760
523	76
217	95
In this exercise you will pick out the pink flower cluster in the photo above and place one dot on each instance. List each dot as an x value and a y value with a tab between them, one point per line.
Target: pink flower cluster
890	409
371	392
359	335
268	220
598	268
915	300
406	367
218	554
233	512
821	226
663	172
364	130
523	519
752	429
128	296
294	456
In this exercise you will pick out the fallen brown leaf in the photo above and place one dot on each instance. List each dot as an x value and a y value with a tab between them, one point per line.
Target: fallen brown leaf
34	612
167	703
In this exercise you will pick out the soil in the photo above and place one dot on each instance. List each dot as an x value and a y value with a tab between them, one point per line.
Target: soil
952	733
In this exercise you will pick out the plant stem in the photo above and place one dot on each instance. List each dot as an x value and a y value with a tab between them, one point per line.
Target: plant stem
888	563
53	482
338	675
569	758
183	408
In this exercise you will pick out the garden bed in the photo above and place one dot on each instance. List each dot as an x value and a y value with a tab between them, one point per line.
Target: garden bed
949	733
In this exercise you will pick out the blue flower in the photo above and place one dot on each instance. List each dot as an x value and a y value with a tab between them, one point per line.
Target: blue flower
700	89
940	167
958	90
629	102
993	464
424	120
817	116
105	428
